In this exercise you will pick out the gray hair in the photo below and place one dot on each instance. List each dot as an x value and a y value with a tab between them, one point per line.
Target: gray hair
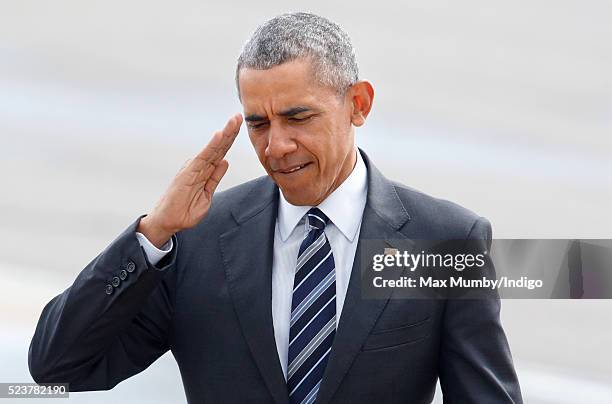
302	35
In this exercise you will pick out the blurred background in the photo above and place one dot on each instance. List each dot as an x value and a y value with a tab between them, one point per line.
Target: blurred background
503	107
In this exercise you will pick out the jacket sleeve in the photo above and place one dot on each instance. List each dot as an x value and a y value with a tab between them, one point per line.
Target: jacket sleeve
475	364
112	323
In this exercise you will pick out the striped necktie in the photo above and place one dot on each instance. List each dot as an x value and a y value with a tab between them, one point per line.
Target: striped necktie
313	312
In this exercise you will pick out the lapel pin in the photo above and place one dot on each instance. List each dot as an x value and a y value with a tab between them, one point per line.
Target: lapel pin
390	251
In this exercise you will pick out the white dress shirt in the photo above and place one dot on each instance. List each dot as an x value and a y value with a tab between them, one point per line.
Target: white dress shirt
344	208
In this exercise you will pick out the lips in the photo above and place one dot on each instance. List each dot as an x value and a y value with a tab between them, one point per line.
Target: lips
292	169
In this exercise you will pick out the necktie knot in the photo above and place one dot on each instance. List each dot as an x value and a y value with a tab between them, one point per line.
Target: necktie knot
317	219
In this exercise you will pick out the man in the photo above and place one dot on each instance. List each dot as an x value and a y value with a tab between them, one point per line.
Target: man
257	292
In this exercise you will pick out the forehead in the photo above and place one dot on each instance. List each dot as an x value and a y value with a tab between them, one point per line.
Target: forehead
284	86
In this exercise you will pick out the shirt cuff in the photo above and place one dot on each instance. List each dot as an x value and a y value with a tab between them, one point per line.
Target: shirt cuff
154	254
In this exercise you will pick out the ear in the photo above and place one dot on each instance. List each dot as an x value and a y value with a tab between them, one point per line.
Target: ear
361	97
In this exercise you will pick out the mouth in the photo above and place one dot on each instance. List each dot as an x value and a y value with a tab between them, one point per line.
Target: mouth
293	169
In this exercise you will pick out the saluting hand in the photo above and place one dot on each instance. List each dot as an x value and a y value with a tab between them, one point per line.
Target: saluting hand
188	198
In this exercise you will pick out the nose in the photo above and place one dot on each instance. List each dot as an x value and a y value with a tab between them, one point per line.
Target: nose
280	142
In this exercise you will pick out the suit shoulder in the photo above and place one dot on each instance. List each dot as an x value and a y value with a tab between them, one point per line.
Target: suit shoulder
436	217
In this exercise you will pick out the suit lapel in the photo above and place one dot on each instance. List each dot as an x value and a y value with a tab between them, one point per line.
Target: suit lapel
247	256
383	216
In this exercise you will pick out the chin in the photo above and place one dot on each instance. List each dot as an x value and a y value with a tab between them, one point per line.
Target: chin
296	197
297	200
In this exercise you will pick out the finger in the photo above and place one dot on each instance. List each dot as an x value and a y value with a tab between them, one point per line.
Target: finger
186	175
228	135
204	174
232	127
185	166
216	176
200	205
220	142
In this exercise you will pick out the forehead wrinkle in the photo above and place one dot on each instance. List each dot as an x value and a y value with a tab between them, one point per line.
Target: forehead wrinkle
276	91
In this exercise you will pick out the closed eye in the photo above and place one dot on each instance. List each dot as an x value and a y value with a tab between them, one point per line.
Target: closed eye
258	125
302	119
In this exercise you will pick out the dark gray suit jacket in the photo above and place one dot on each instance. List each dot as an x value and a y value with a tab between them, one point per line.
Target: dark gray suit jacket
209	301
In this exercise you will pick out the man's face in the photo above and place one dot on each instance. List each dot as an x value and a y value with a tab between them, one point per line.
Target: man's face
301	130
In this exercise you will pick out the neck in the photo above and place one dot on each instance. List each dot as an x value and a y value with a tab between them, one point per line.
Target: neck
347	168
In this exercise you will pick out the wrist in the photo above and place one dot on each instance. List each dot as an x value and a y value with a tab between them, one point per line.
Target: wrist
156	234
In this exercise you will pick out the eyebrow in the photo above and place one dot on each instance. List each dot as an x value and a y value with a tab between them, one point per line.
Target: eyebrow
254	118
286	113
294	111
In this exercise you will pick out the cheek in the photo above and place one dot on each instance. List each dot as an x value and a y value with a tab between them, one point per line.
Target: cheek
259	144
328	148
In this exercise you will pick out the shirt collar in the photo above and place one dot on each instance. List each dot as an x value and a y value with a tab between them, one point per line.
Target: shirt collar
344	207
